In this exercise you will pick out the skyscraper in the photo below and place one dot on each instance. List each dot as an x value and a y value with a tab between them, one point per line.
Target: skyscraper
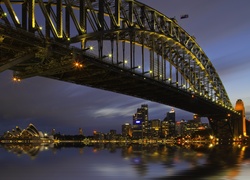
170	118
140	122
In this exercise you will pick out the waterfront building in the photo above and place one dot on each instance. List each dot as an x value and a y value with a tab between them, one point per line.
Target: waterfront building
155	128
111	135
28	135
164	129
127	130
98	135
192	126
170	118
181	128
140	123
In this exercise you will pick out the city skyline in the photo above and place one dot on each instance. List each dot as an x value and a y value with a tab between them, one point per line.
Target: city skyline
138	128
224	37
77	131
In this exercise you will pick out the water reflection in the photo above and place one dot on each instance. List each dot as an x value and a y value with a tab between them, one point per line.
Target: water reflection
31	150
155	161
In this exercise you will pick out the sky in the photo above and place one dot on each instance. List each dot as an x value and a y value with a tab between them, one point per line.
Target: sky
221	28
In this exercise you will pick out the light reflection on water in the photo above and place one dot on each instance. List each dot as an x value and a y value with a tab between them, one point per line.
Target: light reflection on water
121	161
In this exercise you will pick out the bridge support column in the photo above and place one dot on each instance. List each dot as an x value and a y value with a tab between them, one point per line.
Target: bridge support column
222	128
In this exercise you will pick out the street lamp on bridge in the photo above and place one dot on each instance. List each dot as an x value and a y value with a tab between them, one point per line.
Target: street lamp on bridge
88	48
136	67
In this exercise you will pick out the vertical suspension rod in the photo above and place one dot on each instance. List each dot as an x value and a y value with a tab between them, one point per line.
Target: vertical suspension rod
118	12
24	15
59	21
31	9
83	15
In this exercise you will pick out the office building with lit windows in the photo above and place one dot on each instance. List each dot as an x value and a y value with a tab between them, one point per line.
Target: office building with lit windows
154	128
164	129
140	123
170	118
127	130
181	128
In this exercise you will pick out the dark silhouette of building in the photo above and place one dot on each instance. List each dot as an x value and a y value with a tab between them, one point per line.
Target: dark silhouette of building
197	118
181	128
111	135
53	131
80	131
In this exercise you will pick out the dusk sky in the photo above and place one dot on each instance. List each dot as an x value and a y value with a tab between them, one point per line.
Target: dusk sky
221	28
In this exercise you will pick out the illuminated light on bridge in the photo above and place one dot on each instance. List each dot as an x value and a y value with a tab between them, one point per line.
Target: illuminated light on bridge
168	56
15	79
91	48
137	67
78	65
107	56
3	14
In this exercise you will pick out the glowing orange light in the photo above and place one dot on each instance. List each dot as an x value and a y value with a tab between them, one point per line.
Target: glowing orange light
16	79
78	65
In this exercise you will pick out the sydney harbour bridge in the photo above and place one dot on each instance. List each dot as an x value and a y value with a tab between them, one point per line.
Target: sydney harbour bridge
122	46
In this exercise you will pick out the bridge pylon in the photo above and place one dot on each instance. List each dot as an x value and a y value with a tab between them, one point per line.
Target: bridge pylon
222	127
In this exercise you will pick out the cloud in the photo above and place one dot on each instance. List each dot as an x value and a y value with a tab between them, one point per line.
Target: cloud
112	112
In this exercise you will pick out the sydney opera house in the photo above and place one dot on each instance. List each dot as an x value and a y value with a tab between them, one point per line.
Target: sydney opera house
28	135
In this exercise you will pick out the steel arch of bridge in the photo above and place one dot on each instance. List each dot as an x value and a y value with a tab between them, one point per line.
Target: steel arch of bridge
44	38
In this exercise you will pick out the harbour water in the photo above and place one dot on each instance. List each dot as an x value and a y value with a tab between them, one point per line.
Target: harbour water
124	161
